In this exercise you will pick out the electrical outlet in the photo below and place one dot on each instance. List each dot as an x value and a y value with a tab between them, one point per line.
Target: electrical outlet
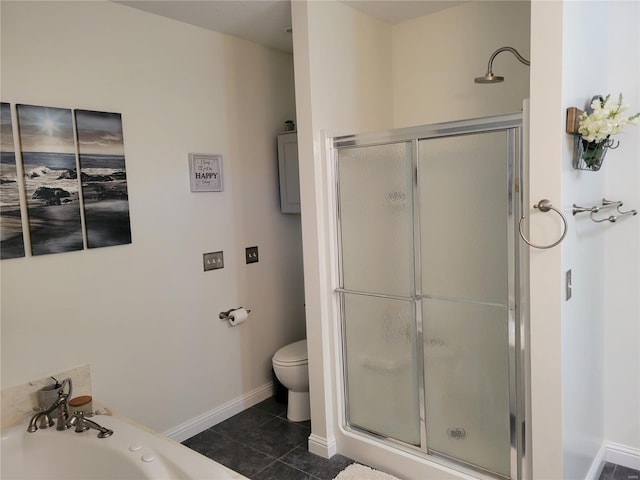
213	261
251	254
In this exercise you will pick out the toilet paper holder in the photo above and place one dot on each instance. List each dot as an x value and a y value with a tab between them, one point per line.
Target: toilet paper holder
225	315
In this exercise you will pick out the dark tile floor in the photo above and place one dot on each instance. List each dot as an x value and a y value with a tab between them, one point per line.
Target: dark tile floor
261	444
618	472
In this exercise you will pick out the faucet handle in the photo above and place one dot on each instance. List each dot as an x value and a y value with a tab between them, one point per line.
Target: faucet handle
77	420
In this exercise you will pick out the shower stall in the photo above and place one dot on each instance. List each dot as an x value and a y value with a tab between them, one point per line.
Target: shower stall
430	291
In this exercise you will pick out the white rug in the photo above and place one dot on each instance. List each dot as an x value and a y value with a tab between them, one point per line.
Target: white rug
355	471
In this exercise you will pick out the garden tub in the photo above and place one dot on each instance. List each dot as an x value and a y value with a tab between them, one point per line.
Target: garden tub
130	453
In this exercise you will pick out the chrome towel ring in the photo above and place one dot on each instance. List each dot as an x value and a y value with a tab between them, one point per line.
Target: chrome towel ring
544	205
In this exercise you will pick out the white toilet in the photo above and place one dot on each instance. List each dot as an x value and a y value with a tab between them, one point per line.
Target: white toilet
291	366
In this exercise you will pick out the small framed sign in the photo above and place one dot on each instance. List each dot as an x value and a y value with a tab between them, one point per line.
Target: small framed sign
205	172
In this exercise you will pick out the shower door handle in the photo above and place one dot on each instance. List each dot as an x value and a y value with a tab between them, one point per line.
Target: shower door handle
544	205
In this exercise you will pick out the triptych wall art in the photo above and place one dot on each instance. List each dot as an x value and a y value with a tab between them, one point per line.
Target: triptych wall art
59	200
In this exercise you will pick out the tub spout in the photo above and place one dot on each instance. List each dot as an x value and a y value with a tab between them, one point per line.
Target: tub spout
61	405
83	424
45	421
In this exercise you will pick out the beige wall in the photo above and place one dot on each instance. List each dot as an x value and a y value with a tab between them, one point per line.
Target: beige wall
145	315
436	58
343	84
546	135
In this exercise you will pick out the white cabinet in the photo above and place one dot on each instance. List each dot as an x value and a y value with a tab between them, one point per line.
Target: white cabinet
289	172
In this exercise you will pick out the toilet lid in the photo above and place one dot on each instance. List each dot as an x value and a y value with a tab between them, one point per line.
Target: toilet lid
294	353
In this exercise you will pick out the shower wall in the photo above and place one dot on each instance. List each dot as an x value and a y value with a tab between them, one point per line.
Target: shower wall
343	62
436	57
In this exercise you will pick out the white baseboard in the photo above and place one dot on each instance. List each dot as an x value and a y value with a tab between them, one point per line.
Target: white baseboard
213	417
614	453
321	446
598	464
622	455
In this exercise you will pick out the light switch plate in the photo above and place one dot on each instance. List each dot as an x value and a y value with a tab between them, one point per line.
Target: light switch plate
251	254
213	261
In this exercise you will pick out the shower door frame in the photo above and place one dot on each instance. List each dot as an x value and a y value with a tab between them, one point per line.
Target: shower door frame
517	302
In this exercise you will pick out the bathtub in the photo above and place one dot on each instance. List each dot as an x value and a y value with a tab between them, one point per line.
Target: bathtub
130	453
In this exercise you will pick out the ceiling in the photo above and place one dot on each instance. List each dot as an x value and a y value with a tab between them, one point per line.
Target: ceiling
266	21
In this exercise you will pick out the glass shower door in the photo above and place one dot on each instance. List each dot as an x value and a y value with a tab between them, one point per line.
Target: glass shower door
376	211
465	251
428	266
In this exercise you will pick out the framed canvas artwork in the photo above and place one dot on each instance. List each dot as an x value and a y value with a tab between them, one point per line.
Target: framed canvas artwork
104	178
50	177
11	239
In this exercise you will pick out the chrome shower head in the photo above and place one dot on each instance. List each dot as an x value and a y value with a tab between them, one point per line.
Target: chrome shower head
489	77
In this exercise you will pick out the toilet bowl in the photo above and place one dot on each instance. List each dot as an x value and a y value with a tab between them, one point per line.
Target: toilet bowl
290	364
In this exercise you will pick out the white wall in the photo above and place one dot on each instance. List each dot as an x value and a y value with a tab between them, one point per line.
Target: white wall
622	253
437	56
582	252
145	315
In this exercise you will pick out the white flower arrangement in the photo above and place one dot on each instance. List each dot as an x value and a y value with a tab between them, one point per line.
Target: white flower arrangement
605	120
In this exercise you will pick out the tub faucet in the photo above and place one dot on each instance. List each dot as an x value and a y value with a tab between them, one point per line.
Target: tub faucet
61	404
83	424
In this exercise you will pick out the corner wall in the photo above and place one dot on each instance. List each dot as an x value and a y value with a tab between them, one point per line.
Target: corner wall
145	315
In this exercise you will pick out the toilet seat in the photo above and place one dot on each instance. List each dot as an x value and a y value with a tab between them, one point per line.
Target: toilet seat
292	355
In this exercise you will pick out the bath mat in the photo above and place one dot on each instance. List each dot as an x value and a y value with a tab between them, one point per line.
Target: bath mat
355	471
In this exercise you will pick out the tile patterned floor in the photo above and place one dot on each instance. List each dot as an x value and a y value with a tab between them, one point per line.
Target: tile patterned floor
261	444
618	472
